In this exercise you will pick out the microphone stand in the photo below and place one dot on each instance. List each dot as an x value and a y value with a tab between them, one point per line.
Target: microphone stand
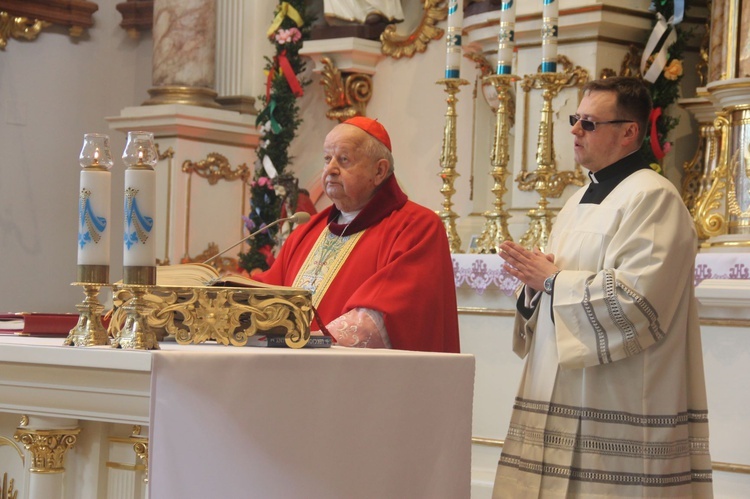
299	218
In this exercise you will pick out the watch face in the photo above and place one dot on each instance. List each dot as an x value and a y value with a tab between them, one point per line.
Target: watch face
548	285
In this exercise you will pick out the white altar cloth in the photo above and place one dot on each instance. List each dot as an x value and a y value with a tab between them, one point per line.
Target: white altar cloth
258	422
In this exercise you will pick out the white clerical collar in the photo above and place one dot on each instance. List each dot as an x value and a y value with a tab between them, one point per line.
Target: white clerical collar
347	217
593	178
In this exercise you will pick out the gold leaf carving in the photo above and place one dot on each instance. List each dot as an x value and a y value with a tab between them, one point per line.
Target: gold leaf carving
216	167
398	46
347	96
18	27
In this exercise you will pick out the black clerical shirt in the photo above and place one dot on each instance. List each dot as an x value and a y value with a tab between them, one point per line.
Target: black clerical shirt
605	180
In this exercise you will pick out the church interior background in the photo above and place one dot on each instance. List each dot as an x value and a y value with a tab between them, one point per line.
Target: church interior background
492	167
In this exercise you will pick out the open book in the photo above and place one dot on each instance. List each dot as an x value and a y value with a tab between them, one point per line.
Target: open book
201	274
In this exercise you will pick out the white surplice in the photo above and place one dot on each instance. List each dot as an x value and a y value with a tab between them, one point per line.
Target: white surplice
612	402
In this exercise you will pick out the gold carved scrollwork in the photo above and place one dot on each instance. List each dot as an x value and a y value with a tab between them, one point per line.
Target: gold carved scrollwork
195	315
398	46
709	221
18	27
347	96
695	169
47	447
214	168
8	490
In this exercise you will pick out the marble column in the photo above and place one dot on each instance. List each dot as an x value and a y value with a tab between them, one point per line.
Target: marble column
184	56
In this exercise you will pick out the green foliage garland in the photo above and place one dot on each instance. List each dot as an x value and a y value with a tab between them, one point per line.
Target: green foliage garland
280	121
666	89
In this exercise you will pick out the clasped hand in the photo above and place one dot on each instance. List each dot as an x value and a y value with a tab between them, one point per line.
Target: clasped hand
530	267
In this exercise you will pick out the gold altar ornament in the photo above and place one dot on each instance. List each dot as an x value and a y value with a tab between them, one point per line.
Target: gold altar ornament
448	160
227	315
546	180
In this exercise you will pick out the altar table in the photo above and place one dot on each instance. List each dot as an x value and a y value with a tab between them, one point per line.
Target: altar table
262	422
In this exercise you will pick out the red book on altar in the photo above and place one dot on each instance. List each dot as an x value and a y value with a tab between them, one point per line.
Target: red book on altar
37	324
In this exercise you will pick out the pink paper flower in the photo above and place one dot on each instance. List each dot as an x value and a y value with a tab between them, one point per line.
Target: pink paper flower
290	35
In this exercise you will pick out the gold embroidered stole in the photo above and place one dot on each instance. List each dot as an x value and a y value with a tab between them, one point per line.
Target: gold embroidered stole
324	262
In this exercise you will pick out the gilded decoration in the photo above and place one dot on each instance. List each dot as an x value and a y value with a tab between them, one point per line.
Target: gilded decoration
214	168
229	316
709	220
77	15
397	46
18	27
47	447
8	490
140	447
346	95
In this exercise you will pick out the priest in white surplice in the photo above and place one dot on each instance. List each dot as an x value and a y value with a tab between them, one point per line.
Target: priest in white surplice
612	402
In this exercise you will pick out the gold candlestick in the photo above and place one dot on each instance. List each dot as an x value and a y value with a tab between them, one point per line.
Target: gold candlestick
89	331
496	224
546	180
448	159
136	334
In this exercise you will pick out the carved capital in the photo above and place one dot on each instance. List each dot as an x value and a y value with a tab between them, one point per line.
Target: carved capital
47	447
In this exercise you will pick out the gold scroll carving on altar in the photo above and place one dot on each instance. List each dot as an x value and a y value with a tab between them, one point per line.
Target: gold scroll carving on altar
227	315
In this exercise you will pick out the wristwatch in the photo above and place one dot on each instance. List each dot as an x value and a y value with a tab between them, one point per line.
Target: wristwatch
550	282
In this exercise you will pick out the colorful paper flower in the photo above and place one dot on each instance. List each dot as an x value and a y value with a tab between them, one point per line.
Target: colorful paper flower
674	70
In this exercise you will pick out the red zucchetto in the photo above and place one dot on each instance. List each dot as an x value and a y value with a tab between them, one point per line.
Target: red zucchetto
373	127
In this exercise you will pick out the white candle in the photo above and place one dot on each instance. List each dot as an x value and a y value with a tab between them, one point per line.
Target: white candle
453	39
94	201
139	245
549	35
506	37
139	242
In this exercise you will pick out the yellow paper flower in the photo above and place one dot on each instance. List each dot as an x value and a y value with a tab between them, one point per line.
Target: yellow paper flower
673	70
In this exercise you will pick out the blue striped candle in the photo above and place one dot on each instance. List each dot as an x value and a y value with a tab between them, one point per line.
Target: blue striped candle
453	39
549	36
506	38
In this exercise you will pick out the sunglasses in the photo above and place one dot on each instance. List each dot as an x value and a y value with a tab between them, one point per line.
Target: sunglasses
590	126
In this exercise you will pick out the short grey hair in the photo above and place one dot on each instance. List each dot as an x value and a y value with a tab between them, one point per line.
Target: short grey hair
376	150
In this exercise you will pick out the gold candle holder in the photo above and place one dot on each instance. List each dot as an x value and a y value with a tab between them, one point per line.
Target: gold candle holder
136	334
448	159
89	331
496	224
546	180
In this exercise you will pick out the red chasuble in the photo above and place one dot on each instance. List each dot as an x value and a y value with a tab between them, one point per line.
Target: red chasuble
401	267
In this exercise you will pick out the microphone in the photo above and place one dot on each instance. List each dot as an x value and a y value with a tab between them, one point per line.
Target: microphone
299	218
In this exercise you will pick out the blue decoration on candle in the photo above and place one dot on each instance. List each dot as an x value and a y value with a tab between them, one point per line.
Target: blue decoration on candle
138	226
549	2
503	69
453	8
506	5
452	73
549	67
91	226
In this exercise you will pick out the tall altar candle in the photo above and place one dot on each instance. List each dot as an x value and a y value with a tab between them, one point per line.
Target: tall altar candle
453	39
549	35
94	199
506	37
139	244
